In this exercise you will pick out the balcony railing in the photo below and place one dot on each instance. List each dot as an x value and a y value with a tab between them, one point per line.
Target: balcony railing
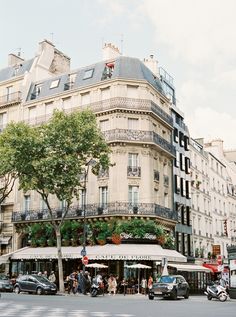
116	103
134	171
12	98
138	136
91	210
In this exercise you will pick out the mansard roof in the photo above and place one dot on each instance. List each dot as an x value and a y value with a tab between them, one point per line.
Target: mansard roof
10	72
126	68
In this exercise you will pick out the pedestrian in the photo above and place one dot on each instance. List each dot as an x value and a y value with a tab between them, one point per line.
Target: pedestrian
52	277
71	284
150	283
112	285
144	286
45	274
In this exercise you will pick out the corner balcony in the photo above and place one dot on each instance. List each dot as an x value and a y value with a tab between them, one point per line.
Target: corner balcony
130	104
139	136
97	210
10	99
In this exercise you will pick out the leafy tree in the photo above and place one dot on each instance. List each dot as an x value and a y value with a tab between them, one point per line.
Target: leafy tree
50	158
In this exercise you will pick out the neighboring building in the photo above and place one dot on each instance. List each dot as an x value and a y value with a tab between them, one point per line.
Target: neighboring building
202	213
15	82
213	199
181	171
182	184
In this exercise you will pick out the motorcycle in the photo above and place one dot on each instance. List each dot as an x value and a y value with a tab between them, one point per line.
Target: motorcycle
97	288
216	291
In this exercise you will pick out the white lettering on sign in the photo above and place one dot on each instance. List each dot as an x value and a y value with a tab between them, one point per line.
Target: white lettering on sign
123	257
127	236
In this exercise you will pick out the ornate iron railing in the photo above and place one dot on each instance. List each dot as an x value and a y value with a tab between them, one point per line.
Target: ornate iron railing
14	97
91	210
114	103
138	136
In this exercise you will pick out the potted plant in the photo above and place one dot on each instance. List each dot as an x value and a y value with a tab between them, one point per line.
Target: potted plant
101	238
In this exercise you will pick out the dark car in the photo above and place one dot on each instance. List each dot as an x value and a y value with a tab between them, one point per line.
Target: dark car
34	284
5	284
170	286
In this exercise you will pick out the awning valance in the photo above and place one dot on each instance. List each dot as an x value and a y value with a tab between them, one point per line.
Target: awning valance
105	252
190	268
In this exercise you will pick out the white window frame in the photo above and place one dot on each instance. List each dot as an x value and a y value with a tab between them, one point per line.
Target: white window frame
103	196
133	195
133	159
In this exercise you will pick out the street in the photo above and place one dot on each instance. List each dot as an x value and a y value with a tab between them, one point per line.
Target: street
24	305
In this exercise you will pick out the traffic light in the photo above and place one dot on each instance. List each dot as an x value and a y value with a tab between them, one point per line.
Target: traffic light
225	227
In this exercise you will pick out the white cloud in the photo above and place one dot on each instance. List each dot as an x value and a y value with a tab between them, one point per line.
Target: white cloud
197	31
210	124
198	37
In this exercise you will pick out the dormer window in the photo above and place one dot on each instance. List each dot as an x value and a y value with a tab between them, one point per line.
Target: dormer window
88	73
54	83
36	91
108	70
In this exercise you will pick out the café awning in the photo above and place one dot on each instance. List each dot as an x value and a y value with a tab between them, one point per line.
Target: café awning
190	268
125	252
212	266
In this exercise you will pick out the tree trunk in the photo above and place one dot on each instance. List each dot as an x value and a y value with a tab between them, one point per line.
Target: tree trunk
59	255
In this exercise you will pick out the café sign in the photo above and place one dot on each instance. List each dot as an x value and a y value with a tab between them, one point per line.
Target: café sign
122	257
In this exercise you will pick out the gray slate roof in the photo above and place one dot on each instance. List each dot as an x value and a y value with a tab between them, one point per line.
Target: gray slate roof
7	73
125	68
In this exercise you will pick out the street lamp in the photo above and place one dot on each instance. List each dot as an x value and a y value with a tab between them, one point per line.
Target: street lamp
83	251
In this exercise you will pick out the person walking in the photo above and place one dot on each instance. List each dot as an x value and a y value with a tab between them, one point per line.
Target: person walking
112	285
150	283
52	277
144	286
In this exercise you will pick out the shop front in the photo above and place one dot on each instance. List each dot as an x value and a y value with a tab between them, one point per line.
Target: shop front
116	257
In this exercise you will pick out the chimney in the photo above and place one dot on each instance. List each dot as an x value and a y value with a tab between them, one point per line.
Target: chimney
151	63
14	60
110	51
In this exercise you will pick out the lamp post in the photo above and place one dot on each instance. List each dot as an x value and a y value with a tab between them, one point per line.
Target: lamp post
83	251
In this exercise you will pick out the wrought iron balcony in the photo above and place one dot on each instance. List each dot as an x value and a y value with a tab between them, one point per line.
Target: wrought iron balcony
130	103
9	99
138	136
93	210
134	171
111	104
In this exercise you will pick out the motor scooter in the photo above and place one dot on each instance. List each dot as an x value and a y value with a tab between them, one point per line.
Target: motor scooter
216	291
97	288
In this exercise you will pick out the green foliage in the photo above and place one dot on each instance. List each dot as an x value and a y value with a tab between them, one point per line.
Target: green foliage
49	158
169	242
139	227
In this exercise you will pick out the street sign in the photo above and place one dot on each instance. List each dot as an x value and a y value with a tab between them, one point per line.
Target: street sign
83	252
85	260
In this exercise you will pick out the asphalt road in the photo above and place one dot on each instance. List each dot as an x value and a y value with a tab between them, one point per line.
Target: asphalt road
24	305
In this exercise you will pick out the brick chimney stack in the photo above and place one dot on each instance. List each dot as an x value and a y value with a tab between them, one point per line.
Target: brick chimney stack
110	51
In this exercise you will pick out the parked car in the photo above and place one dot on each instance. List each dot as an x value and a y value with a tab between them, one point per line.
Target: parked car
5	284
34	284
170	286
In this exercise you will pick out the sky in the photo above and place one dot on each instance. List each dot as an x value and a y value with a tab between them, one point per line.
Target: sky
193	40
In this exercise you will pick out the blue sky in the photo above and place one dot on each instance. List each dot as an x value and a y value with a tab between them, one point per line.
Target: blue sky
193	40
